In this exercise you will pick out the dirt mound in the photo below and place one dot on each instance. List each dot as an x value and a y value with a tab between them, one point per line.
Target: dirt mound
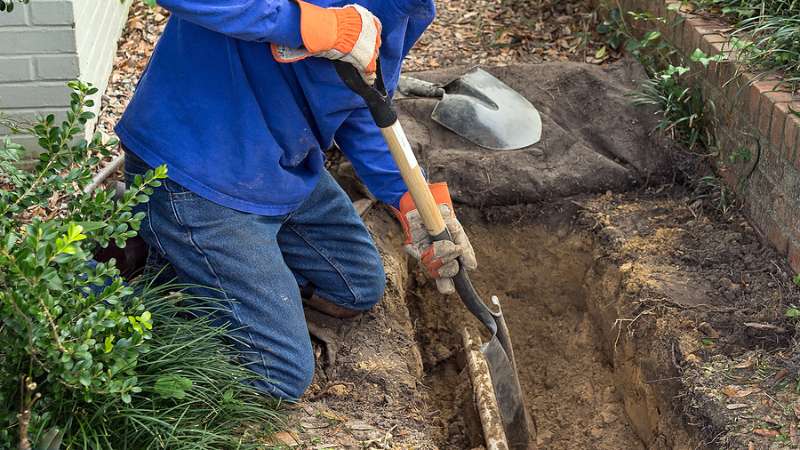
694	307
372	396
593	138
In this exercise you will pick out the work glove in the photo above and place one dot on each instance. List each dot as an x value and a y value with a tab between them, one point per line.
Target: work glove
439	258
350	33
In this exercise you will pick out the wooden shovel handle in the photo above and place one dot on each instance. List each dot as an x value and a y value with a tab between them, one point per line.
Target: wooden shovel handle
380	107
415	181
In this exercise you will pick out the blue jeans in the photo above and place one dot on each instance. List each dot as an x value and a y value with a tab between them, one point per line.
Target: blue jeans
255	266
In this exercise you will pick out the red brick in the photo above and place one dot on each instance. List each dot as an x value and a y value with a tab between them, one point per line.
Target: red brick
779	96
776	137
756	97
712	73
726	71
736	93
795	158
658	9
683	35
713	42
764	117
721	46
710	41
794	256
750	95
777	237
791	133
693	32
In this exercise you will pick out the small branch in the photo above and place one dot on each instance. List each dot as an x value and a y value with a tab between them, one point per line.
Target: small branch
105	173
29	398
53	328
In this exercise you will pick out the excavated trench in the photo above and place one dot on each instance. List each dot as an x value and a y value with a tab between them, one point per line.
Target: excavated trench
607	304
541	269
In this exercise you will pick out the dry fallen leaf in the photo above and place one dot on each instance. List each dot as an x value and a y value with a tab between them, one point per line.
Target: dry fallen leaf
286	438
737	406
738	391
328	414
765	432
745	364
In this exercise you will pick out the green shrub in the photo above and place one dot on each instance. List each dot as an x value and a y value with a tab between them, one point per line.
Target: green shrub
772	45
744	9
684	112
86	358
767	33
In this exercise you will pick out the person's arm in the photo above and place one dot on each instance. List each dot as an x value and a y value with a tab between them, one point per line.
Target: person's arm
275	21
362	143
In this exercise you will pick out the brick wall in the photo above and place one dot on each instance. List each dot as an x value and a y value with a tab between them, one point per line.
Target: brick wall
757	132
49	42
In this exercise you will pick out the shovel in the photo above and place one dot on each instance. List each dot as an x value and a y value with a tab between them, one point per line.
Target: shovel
497	351
481	108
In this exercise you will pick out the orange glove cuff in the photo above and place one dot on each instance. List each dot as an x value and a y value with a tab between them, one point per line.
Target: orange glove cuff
441	194
324	29
318	27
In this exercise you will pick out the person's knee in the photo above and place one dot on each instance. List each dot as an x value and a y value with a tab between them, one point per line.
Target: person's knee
300	378
288	383
374	286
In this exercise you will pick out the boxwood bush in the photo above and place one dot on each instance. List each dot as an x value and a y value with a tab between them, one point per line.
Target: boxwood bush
88	360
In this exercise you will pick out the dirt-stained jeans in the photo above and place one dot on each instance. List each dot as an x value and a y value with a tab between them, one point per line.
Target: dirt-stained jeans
255	264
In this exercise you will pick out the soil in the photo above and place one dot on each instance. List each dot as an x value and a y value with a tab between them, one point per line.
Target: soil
537	271
699	303
371	397
567	379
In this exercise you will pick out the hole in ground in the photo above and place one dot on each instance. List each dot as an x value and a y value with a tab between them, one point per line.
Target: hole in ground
537	266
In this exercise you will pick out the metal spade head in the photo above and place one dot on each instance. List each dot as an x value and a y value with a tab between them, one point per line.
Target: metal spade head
486	111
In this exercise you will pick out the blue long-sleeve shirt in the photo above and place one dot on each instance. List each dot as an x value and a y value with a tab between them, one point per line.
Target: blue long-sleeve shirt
244	131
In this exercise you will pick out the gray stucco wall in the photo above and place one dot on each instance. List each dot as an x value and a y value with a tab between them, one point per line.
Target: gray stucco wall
49	42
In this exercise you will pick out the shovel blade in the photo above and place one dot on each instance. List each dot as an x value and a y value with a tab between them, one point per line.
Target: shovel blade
509	395
487	112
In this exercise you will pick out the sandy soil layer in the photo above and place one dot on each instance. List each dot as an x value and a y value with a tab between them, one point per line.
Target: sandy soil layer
537	271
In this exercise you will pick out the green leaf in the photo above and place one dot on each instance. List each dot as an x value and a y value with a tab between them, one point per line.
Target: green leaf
652	35
108	345
792	312
75	233
600	53
161	172
91	226
172	386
